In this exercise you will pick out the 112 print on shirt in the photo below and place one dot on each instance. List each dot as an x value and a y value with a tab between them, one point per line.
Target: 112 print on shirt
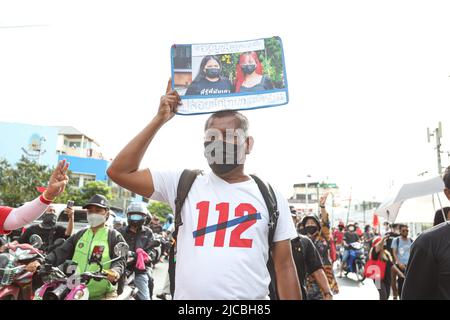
242	220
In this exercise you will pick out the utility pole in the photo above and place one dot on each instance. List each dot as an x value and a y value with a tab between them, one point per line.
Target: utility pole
437	133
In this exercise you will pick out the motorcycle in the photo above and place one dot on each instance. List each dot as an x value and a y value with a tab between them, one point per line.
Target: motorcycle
15	280
63	283
356	261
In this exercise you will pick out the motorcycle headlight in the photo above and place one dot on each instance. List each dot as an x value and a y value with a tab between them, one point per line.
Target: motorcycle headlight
79	295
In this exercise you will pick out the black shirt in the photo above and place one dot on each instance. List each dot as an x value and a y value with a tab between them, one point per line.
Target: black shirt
265	84
350	237
204	87
45	234
428	269
307	259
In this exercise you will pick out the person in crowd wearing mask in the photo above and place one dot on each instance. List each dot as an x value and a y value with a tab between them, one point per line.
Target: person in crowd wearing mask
140	240
99	240
368	237
380	252
249	74
319	233
308	263
225	194
209	80
15	218
169	225
350	237
155	225
441	216
428	269
401	247
48	230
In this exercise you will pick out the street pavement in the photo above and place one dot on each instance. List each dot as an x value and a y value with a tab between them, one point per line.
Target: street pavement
349	288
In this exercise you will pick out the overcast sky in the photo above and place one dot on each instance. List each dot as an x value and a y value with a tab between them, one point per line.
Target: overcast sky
366	79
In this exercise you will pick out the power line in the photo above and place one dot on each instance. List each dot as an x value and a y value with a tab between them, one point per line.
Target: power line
24	26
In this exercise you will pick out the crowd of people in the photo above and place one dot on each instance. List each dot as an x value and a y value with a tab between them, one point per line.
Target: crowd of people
269	254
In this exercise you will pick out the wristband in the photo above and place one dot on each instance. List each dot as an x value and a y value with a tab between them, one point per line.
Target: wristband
45	200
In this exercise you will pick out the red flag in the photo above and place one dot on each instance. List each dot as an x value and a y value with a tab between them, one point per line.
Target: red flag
376	222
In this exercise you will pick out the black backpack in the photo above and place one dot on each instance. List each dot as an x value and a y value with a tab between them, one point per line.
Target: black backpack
187	178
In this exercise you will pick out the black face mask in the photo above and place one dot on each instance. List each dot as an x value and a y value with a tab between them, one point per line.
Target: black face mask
136	224
212	72
229	159
48	220
311	229
248	68
341	228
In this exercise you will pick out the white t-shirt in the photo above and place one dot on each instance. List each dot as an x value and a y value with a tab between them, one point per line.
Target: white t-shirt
228	264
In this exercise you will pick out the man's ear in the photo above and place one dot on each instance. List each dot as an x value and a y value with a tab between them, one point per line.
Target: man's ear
447	193
249	145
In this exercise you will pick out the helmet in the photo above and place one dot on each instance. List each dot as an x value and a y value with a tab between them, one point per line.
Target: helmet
138	207
6	274
137	220
313	217
170	218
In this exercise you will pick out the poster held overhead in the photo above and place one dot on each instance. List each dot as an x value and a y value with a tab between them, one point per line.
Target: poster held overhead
239	75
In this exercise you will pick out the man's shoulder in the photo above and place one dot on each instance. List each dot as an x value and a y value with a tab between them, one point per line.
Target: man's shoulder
437	232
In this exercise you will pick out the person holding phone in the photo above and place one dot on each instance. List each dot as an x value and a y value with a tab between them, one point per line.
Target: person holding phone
48	229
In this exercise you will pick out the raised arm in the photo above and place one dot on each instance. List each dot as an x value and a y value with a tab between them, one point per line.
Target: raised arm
324	219
32	210
124	170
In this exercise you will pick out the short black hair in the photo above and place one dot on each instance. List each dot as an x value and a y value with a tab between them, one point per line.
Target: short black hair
446	177
438	218
242	121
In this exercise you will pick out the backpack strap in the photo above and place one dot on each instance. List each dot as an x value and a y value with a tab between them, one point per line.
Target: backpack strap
185	183
271	203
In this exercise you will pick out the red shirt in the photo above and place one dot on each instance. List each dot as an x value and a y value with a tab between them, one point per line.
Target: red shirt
359	232
338	236
4	213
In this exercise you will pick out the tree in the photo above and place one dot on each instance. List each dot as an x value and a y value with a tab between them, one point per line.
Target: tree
159	209
18	184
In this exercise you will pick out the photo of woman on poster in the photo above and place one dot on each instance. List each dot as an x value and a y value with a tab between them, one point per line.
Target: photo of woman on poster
249	74
209	80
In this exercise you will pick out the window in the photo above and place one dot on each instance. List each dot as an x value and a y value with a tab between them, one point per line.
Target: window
182	57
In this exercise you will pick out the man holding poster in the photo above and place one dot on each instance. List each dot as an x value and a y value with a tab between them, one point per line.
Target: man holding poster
222	244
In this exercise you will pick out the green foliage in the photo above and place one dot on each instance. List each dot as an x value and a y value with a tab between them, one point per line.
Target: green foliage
82	195
160	209
18	184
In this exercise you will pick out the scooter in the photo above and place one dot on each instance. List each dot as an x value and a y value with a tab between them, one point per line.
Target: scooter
64	283
356	261
15	281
